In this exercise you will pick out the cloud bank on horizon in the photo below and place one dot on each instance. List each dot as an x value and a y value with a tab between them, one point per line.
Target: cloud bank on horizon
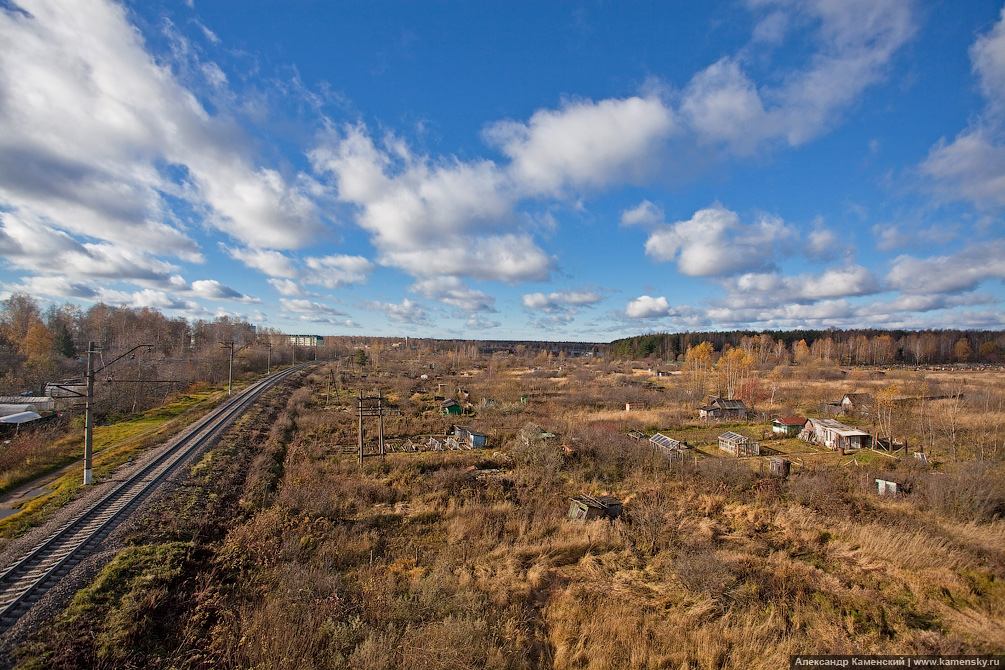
766	164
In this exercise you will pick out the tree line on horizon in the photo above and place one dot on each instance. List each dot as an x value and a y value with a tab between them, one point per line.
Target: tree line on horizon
39	346
837	347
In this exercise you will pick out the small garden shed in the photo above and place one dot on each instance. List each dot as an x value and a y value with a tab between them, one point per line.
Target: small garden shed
778	466
467	436
721	408
788	425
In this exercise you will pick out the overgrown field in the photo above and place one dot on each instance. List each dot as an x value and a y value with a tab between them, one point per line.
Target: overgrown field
281	551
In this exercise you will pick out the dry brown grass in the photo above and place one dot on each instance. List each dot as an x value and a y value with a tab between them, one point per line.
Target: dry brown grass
413	562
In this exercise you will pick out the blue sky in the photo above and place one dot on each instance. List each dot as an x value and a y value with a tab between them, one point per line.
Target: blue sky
566	171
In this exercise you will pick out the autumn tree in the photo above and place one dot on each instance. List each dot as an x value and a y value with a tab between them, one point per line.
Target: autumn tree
697	369
17	315
962	350
801	352
734	366
989	352
781	353
37	344
775	383
882	350
951	413
884	405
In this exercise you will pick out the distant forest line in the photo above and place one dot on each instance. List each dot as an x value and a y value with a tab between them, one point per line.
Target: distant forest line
842	347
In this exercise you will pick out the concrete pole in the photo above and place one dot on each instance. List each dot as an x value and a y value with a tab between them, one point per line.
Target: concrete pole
229	344
89	414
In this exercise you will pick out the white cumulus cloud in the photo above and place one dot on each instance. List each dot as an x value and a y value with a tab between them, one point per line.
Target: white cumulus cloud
647	307
645	214
100	133
584	143
972	166
959	272
714	242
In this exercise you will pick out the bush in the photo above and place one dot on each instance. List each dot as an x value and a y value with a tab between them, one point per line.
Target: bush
735	474
977	493
703	571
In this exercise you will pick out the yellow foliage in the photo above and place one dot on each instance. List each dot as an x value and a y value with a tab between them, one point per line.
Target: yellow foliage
37	344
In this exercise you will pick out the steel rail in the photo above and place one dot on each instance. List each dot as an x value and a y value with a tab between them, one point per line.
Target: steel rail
30	577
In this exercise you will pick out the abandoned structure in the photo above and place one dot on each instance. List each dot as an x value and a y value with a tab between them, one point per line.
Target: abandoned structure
779	467
450	407
850	403
739	445
891	485
667	446
721	408
468	437
835	435
856	403
586	507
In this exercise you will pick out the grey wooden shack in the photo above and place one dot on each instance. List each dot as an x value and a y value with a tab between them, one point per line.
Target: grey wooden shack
586	507
722	408
779	467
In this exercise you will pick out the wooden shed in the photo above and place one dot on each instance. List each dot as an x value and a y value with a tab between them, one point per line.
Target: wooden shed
586	507
779	467
467	436
856	403
788	425
722	408
739	445
450	407
836	435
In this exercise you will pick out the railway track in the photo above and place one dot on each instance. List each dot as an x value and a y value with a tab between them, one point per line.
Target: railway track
24	582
